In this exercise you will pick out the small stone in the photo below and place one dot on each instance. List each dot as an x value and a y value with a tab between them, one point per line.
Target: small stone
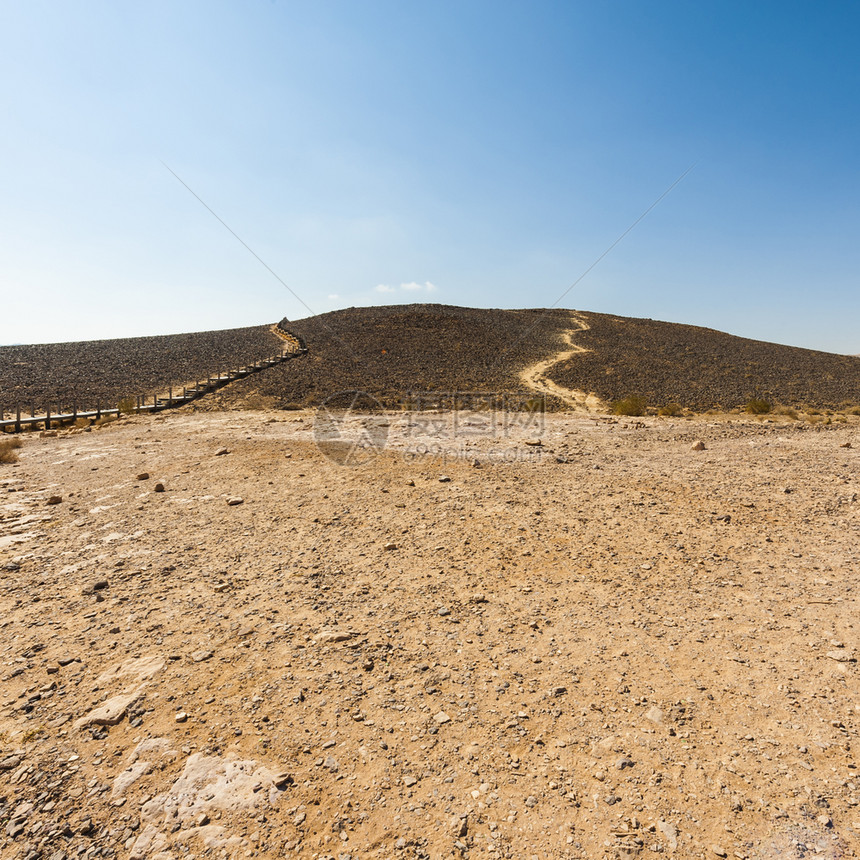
443	611
612	799
11	565
201	655
282	780
531	801
221	587
698	445
221	452
599	775
181	717
624	762
235	500
841	656
655	715
327	636
845	445
534	443
331	764
299	819
54	500
94	586
442	718
719	851
52	670
480	597
367	665
143	476
557	692
825	820
159	487
444	479
409	781
390	546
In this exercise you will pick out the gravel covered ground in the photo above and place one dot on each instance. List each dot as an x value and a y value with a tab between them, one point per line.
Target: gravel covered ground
394	350
104	371
607	645
699	368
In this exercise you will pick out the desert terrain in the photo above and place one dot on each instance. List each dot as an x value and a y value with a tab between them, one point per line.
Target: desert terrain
501	636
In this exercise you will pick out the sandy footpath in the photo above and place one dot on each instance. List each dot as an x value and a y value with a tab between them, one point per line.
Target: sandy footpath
465	645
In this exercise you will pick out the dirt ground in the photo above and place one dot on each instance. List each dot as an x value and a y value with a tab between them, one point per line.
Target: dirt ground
461	644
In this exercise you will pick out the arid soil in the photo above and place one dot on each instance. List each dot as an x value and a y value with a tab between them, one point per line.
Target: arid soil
101	372
465	645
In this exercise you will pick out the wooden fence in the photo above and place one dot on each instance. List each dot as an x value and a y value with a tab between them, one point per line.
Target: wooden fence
139	404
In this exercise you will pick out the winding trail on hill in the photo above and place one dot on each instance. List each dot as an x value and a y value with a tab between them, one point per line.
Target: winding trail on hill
535	377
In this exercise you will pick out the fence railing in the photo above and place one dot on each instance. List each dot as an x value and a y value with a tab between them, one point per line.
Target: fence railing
139	404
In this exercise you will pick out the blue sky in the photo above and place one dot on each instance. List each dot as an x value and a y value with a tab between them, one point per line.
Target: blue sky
470	152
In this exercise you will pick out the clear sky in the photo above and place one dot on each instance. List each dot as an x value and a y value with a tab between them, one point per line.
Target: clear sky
474	152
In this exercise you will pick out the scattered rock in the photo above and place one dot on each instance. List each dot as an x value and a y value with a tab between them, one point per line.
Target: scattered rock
442	718
221	452
842	656
94	586
328	636
143	476
159	487
444	479
181	717
109	713
54	500
655	715
409	781
698	445
235	500
719	851
201	655
390	546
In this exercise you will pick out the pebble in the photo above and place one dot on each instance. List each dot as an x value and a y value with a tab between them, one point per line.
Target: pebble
444	479
556	692
54	500
299	819
390	546
719	851
442	718
235	500
531	801
221	452
201	655
94	586
159	487
181	717
143	476
698	445
331	764
624	762
841	656
443	611
409	781
655	715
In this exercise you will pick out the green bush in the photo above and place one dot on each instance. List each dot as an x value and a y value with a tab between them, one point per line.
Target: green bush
633	405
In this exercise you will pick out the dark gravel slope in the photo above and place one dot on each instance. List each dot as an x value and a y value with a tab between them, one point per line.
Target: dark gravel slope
393	350
102	371
700	368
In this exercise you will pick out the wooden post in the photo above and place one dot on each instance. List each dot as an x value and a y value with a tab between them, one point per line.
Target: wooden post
48	419
18	418
74	412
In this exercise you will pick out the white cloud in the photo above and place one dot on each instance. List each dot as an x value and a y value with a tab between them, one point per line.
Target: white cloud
333	297
410	287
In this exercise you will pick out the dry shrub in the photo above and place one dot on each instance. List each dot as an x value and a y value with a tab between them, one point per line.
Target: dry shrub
670	409
633	405
786	412
9	450
758	406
